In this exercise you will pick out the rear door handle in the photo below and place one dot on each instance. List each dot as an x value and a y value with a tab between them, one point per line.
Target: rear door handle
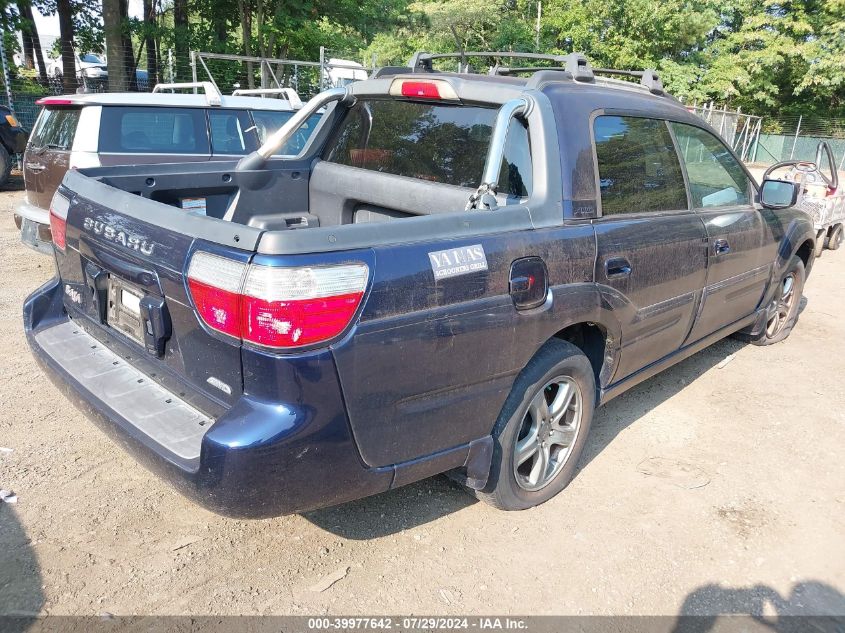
617	267
720	247
36	167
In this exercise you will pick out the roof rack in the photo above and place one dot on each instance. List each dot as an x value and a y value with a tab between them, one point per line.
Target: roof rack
289	94
212	94
575	64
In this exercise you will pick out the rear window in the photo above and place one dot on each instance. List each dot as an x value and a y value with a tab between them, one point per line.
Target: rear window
55	128
144	130
268	121
435	142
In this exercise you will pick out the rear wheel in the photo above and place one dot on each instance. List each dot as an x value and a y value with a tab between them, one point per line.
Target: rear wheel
542	428
782	313
5	165
835	239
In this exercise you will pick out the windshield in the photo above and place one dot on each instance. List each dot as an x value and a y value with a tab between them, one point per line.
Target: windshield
91	59
268	121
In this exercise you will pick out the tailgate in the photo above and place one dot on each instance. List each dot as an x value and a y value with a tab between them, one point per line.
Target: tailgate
122	272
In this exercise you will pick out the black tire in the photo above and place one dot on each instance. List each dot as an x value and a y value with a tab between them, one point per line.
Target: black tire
834	241
556	360
5	166
821	240
774	332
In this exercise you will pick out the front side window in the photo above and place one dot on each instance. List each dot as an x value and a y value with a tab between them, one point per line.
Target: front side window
56	128
153	130
639	169
715	177
438	143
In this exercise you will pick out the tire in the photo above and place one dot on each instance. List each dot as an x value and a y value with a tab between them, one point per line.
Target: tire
835	239
783	315
5	165
821	238
557	369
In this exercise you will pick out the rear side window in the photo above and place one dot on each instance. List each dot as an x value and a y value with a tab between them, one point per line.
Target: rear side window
56	128
639	169
434	142
268	121
228	134
145	130
715	177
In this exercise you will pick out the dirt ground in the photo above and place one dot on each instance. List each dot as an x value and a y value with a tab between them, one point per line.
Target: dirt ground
712	488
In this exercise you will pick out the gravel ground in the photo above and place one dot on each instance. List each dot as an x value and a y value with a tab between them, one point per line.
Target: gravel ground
712	488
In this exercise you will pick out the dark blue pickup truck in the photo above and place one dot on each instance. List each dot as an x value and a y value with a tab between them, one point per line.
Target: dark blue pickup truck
450	277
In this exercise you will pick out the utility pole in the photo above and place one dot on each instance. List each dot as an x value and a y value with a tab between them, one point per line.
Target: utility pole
537	33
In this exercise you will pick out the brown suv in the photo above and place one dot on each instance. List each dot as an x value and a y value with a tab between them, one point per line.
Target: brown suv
90	130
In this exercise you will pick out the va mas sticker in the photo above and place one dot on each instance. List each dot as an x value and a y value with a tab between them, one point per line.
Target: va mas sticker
458	261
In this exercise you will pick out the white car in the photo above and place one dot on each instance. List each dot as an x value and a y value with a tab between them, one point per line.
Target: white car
129	128
88	65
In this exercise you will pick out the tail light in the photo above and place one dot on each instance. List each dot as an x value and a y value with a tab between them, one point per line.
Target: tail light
277	307
58	220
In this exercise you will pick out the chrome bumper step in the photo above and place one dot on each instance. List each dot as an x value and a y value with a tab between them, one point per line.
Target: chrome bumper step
149	407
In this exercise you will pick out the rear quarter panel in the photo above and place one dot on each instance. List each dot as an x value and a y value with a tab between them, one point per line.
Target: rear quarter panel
432	361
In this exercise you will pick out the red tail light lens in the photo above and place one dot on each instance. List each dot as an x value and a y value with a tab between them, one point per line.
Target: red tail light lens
58	220
278	307
290	307
215	284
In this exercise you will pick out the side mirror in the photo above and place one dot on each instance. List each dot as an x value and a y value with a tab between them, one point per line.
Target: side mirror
779	194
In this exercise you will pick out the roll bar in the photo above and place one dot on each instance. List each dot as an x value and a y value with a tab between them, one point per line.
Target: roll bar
485	195
277	139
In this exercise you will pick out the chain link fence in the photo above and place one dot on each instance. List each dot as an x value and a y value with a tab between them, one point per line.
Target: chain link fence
797	138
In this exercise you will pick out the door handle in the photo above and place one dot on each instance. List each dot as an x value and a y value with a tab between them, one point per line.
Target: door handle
36	167
721	247
617	267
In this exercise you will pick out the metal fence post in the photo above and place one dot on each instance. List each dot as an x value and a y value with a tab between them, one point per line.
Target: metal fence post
322	66
7	78
194	69
795	140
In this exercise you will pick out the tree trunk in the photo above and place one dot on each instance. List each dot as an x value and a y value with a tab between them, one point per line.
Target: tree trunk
130	63
26	36
149	40
181	37
65	11
115	55
245	10
33	55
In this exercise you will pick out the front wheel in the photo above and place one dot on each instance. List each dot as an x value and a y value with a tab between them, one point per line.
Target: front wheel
542	428
782	313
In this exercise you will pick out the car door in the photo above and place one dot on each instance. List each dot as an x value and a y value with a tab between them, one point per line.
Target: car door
722	195
651	249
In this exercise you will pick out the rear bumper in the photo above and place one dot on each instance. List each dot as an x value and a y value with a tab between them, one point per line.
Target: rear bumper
258	459
35	227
